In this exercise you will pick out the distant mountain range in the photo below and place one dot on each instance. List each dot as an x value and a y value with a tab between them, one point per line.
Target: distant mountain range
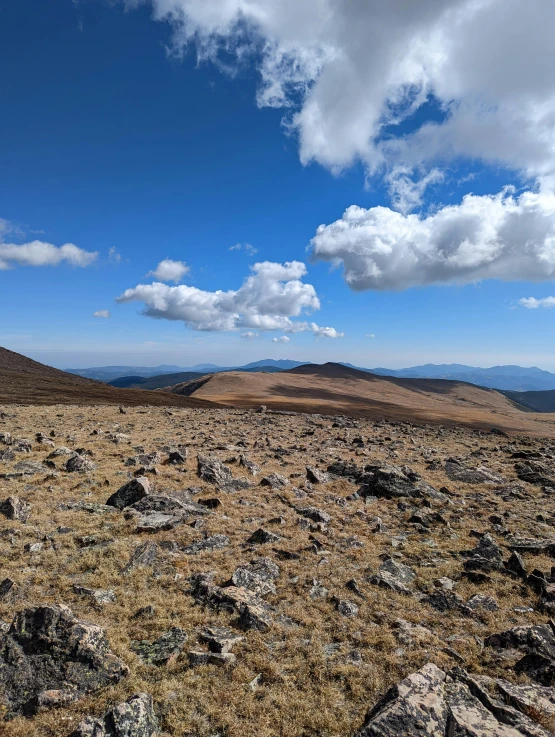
111	373
506	378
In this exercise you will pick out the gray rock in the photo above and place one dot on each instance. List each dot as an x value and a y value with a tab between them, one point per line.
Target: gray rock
263	537
347	608
158	521
534	472
486	556
395	576
199	657
274	481
100	596
430	704
482	602
162	651
158	503
130	493
220	639
143	555
49	656
28	468
537	643
213	470
515	564
456	471
315	476
216	542
251	466
133	718
79	464
416	707
257	576
15	508
316	515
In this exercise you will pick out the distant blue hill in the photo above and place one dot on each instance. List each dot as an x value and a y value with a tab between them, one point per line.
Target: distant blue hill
505	378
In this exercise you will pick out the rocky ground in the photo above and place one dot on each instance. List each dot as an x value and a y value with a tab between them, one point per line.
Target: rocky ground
199	572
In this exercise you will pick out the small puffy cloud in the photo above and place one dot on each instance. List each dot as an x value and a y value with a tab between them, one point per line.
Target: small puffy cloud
268	299
114	256
168	270
531	303
282	339
501	236
39	253
251	250
370	335
102	313
249	335
325	332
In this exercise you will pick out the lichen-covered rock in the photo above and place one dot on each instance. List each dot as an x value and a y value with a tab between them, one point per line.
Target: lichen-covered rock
216	542
457	471
49	656
143	555
213	470
486	556
79	464
133	718
130	493
162	651
316	476
15	508
430	703
415	707
395	576
537	643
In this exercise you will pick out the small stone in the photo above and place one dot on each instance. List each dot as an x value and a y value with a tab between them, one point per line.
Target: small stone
347	608
481	601
133	718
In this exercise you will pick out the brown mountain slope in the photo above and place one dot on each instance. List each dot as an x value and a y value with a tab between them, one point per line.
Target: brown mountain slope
24	381
336	389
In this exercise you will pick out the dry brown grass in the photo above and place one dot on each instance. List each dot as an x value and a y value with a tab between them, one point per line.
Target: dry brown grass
304	691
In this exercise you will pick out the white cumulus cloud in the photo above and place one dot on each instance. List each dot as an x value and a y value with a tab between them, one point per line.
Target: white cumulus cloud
102	313
168	270
347	73
267	300
531	303
282	339
39	253
502	236
325	332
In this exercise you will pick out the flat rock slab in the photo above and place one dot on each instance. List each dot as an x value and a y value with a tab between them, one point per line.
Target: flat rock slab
130	493
48	656
457	471
162	651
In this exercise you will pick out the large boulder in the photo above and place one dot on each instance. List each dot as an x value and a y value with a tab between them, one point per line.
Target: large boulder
49	657
432	703
133	718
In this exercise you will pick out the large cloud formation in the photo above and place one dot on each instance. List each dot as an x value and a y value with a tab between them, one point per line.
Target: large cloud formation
350	72
267	300
489	237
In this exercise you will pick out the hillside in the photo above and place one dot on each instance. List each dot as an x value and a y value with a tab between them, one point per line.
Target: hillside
337	389
168	380
24	381
535	401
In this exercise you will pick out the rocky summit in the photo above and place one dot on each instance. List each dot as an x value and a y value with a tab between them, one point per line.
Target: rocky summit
213	572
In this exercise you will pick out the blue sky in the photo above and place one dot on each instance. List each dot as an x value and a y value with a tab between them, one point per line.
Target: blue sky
116	137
